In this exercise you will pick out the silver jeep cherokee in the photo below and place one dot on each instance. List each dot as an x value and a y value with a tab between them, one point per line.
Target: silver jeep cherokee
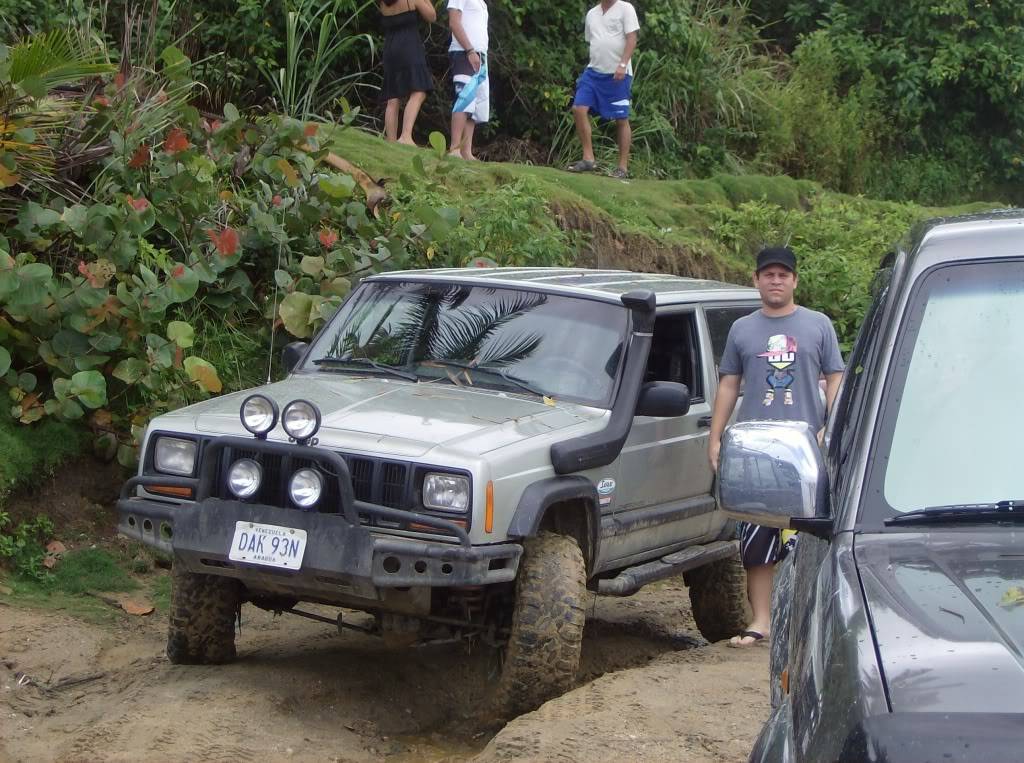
461	453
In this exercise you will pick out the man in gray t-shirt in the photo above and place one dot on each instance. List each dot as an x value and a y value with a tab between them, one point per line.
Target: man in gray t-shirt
779	354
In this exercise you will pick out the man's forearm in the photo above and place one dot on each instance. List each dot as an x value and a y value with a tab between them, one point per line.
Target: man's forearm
832	382
725	401
630	47
458	31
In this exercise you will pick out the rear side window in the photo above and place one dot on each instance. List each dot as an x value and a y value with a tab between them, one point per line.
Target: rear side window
720	320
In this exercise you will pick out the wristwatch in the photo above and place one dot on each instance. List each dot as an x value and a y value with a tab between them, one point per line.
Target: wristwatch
622	65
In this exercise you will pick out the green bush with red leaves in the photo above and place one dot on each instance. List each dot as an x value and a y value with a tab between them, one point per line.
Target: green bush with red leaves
135	215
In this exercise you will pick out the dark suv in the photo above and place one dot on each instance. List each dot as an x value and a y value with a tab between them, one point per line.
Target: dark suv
899	628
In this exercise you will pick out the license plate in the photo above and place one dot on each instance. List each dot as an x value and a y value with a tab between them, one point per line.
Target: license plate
269	545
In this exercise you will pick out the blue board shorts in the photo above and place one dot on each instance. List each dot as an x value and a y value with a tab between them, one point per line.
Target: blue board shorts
603	95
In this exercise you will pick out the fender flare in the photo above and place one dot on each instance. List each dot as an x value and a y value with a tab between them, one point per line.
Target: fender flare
541	495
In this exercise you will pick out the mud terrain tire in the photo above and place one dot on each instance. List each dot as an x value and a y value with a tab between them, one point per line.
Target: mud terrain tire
718	598
546	636
202	622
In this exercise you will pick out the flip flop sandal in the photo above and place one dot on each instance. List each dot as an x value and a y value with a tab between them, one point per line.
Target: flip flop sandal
582	166
758	639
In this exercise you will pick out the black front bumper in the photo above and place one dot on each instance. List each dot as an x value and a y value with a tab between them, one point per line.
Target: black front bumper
342	557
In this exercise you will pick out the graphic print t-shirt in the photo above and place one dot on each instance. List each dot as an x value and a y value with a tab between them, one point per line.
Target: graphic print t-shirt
781	360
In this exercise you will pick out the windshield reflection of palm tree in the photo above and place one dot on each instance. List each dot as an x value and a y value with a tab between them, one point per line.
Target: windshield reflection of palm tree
438	327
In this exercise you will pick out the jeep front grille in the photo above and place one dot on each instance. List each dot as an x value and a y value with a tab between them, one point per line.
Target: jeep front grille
373	480
393	485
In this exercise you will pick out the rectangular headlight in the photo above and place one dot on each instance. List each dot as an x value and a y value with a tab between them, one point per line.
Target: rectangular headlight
446	492
175	456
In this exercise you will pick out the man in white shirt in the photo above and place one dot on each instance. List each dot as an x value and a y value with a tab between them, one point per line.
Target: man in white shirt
468	54
606	84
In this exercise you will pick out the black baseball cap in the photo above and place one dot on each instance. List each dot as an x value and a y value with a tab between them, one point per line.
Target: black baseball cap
776	255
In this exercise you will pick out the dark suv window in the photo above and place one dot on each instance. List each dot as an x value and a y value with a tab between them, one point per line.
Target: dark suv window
720	320
675	354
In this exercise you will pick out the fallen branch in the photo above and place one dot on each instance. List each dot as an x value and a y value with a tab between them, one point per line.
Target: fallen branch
375	193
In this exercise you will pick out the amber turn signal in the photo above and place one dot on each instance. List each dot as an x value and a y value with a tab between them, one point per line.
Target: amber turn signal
176	492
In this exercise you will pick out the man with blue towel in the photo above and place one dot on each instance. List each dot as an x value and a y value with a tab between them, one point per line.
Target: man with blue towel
468	52
606	84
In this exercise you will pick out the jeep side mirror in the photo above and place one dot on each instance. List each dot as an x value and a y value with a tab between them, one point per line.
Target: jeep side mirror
291	354
663	399
771	473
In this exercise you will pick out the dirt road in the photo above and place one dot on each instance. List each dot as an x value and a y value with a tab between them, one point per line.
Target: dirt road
650	690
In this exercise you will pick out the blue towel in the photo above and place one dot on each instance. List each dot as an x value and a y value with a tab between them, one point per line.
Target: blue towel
469	89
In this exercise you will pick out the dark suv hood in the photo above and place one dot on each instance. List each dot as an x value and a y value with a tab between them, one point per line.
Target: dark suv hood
942	604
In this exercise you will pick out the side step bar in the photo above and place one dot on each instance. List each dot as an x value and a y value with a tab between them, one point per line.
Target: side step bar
632	579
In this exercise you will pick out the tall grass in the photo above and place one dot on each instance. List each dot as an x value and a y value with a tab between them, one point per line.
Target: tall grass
315	40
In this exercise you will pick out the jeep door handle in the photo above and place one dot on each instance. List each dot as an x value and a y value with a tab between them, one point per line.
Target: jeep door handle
704	422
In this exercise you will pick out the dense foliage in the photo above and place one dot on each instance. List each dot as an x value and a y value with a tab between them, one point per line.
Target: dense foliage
916	100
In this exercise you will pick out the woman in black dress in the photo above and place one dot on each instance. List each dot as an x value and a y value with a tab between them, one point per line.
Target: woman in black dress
405	64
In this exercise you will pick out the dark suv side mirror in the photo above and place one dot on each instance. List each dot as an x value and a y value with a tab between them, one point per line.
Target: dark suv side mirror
291	354
663	399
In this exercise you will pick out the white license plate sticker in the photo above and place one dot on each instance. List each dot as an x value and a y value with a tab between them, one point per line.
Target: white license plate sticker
269	545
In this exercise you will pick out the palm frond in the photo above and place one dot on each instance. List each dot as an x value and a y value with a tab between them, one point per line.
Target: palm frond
44	61
462	335
510	350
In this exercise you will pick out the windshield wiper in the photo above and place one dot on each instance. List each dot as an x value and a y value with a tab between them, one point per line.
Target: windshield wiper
513	380
961	512
383	368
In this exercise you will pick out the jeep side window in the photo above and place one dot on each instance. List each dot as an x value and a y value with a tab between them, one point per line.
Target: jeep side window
675	353
720	320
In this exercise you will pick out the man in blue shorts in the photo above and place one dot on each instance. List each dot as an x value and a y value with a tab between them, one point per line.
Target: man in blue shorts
605	85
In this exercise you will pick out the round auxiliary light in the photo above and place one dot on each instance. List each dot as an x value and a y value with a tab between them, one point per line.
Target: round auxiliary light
244	478
305	488
259	414
300	419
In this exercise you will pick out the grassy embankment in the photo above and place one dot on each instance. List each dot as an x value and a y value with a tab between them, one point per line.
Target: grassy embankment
683	226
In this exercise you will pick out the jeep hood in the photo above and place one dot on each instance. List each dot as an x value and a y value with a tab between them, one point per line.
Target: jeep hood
947	607
400	417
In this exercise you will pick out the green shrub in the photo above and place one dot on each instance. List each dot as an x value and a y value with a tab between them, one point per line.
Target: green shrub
510	225
21	545
187	223
839	244
817	130
28	454
947	73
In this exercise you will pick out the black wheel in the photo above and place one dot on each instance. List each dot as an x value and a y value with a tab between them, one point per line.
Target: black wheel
718	598
203	613
546	635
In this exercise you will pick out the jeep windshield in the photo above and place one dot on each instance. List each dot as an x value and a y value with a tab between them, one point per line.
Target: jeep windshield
951	418
524	342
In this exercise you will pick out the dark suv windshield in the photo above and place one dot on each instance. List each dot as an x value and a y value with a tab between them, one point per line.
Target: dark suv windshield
520	341
951	417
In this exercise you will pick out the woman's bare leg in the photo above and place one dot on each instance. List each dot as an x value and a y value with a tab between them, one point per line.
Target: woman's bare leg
412	110
391	119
